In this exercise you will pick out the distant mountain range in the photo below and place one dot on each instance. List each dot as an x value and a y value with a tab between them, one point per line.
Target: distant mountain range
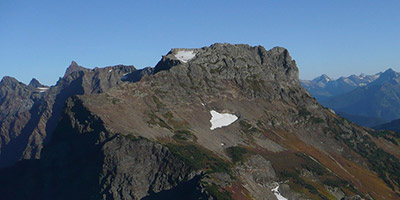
323	87
393	126
368	100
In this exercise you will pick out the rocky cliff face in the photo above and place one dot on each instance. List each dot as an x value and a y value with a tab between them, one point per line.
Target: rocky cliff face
30	113
151	138
16	101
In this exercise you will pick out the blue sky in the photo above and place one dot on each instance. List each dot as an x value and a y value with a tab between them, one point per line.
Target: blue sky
40	38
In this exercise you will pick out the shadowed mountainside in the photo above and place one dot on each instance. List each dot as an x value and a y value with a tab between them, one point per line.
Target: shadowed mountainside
29	114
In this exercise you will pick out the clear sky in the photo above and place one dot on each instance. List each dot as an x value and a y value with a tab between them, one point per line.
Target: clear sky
40	38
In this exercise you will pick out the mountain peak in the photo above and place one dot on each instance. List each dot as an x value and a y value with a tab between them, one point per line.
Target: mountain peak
8	80
388	76
35	83
389	71
278	49
323	78
73	67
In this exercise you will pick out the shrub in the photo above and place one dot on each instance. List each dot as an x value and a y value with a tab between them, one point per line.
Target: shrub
199	158
304	113
236	153
218	193
182	135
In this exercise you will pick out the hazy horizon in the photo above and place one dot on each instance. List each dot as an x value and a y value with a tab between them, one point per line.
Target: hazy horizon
40	39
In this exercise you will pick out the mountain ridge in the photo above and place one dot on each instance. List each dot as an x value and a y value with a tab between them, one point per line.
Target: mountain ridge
323	87
24	131
283	140
379	99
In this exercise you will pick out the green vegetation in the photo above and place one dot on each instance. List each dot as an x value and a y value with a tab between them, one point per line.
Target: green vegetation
236	153
158	103
244	125
199	158
112	99
255	83
182	135
115	101
304	113
384	164
335	182
155	120
302	184
307	114
248	128
294	176
168	115
214	71
317	120
289	174
207	80
390	136
312	166
166	120
218	193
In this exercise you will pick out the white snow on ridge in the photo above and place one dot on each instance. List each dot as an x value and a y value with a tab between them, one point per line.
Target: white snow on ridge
42	89
219	120
278	194
185	55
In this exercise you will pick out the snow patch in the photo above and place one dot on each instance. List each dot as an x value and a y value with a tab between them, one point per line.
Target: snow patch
42	89
346	80
278	194
219	120
185	55
125	76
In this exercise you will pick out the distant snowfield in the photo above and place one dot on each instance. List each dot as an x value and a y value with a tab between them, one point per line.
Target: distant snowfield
219	120
278	194
185	55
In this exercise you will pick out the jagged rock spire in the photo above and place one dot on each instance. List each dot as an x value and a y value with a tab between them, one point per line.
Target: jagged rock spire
73	67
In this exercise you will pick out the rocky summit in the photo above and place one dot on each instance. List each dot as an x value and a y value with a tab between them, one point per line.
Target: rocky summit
122	133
